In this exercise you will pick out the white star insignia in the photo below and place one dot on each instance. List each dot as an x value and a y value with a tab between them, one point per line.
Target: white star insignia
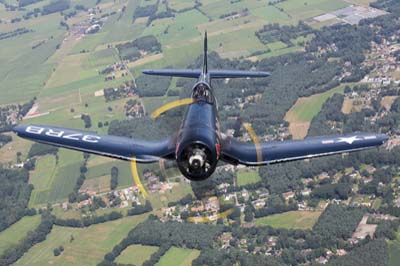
349	140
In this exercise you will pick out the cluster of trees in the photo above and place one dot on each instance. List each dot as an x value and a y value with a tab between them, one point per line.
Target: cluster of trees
386	229
183	201
332	191
338	221
144	11
87	221
38	149
144	128
140	209
57	251
148	86
233	13
55	6
114	178
73	196
87	120
275	204
390	5
11	255
331	111
15	192
383	176
24	108
274	32
4	139
155	233
375	252
214	257
131	50
22	3
13	33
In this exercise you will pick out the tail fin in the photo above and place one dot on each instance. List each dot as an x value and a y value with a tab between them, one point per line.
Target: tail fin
205	66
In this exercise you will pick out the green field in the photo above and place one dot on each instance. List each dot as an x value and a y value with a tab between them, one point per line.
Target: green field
12	235
136	254
245	177
65	175
41	177
305	109
178	257
291	220
88	247
394	251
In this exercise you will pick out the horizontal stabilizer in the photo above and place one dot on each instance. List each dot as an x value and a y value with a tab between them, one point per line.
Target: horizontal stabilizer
223	74
214	74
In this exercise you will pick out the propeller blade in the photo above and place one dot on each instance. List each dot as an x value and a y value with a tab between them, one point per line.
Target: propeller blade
170	106
136	179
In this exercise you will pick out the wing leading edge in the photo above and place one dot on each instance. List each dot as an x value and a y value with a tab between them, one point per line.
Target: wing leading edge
105	145
283	151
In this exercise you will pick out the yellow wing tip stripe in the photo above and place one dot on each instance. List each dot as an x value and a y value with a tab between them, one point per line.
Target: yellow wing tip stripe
208	219
170	106
136	179
255	140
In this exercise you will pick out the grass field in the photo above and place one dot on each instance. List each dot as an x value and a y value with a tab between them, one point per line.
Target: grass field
65	175
136	254
8	153
41	177
88	247
178	257
246	176
291	220
394	251
304	110
12	235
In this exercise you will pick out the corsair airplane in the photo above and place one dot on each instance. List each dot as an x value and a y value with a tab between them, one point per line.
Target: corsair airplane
199	145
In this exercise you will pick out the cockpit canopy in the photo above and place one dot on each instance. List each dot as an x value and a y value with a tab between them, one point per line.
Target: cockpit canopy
202	92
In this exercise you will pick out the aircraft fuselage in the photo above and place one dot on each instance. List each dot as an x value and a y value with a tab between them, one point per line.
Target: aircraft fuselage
198	143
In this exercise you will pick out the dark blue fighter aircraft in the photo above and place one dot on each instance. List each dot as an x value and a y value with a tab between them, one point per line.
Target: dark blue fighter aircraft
199	145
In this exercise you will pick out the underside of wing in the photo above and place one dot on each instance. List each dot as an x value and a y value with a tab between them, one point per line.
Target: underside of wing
111	146
282	151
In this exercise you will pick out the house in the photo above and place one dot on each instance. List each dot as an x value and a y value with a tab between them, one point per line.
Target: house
306	192
322	260
84	203
212	203
341	252
259	203
288	195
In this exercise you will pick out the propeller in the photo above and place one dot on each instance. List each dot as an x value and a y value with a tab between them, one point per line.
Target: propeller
196	158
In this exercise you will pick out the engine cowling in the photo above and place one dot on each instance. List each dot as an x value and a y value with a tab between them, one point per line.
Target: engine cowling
196	160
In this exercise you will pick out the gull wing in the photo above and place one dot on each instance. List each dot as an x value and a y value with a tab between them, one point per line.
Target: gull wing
251	154
110	146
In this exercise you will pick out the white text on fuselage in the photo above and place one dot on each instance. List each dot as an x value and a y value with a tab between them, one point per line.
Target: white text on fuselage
61	134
